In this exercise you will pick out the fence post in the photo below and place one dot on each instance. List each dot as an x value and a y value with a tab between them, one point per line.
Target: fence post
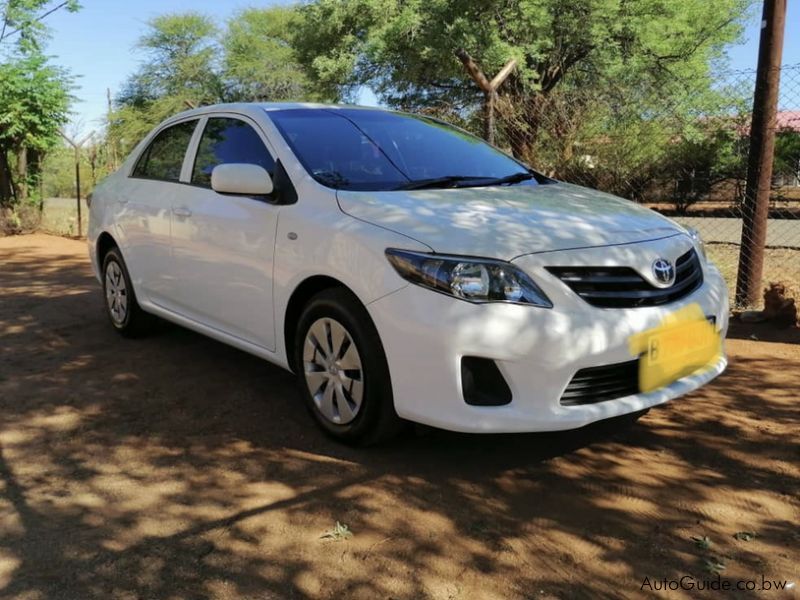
762	146
78	188
77	146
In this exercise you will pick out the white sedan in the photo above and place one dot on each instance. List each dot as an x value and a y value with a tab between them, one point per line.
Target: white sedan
402	268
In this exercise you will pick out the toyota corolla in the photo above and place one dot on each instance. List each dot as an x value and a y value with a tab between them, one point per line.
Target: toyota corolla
404	270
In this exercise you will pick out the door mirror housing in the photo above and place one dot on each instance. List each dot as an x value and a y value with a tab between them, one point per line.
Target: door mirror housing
241	179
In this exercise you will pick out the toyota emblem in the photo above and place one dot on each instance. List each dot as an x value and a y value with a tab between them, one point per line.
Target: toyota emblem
664	271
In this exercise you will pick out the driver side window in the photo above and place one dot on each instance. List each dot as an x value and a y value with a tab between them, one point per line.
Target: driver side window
226	140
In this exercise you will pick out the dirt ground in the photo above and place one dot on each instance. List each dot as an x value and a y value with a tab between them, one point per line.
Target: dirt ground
176	467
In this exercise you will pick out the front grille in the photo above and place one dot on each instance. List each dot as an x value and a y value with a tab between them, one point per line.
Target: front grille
622	287
597	384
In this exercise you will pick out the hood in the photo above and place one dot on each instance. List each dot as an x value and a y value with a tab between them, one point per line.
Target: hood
507	222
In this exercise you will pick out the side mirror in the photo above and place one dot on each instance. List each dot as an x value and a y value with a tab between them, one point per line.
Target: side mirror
241	179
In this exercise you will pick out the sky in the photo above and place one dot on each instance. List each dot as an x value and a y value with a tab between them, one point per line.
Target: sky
97	44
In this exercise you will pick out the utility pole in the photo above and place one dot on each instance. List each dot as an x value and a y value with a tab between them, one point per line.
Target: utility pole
762	147
76	145
489	88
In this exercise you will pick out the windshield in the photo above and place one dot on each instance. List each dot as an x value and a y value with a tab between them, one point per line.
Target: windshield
357	149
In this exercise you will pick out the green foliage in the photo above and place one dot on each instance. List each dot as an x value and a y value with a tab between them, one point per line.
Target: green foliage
181	70
181	51
601	87
191	63
130	123
34	101
59	173
705	155
333	42
22	21
34	95
620	94
787	152
680	152
58	169
259	61
405	49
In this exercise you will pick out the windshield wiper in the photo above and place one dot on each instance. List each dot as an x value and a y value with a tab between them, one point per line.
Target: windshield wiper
437	182
509	179
454	180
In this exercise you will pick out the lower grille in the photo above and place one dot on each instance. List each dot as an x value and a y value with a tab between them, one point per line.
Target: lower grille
598	384
622	287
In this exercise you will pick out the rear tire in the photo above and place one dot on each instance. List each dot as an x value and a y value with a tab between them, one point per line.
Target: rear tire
122	308
342	370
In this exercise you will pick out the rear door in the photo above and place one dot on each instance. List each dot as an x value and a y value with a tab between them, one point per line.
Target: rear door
223	245
144	204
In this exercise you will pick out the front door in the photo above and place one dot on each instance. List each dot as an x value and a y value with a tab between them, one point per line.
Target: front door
223	245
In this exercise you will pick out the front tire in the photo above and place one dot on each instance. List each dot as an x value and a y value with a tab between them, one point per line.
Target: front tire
122	308
342	370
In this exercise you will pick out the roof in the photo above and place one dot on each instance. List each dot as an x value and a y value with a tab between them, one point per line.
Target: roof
247	107
788	119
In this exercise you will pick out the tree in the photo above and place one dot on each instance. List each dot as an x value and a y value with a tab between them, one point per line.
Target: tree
190	63
708	153
34	95
404	51
787	154
182	69
259	62
22	21
181	62
34	102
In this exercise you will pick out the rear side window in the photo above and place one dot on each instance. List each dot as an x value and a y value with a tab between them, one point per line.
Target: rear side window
164	156
227	141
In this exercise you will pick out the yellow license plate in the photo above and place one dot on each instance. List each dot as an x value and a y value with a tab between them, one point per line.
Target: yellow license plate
685	342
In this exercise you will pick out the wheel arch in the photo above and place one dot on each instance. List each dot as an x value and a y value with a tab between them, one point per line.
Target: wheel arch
105	242
304	291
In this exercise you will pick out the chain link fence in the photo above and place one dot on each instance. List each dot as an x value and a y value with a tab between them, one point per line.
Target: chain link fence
680	148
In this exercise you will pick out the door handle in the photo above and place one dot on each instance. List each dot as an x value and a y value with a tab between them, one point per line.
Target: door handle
181	211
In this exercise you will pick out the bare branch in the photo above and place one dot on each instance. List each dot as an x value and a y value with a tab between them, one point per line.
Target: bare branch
474	71
498	79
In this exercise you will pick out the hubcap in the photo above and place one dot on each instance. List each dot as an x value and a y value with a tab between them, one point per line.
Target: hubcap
116	293
333	372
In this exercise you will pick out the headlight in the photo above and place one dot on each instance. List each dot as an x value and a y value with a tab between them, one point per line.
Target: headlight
698	241
471	279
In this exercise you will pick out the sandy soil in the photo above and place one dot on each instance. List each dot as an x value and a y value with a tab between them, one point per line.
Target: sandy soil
176	467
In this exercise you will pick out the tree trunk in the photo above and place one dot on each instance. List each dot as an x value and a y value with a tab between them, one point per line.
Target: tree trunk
22	173
6	186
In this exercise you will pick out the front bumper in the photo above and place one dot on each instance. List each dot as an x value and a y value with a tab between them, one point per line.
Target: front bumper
538	351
